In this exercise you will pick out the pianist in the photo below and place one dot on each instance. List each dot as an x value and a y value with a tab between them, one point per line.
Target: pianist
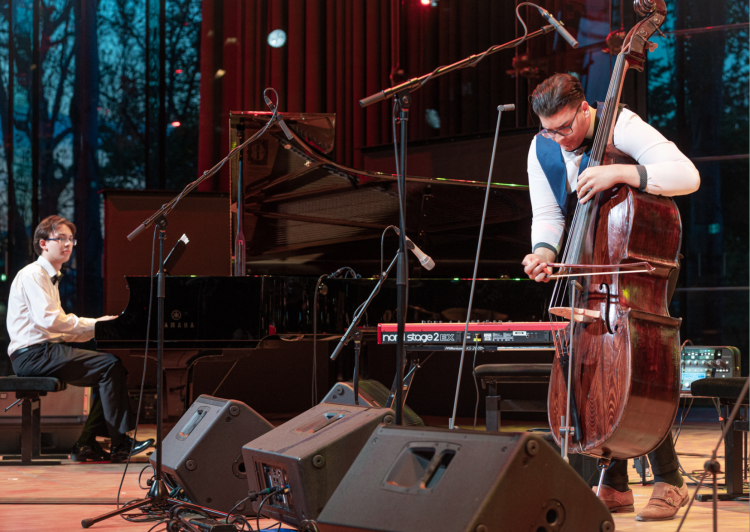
39	330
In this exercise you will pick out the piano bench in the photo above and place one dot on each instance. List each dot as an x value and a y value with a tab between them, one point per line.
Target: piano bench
493	375
727	391
28	391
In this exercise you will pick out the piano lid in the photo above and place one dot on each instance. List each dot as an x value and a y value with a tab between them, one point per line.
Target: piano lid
299	205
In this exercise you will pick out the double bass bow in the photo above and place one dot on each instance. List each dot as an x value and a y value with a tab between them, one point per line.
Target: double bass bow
614	388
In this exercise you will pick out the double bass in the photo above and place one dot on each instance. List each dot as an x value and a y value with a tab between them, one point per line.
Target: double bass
621	345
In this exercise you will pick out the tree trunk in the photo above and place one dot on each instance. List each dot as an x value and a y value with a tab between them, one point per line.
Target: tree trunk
87	181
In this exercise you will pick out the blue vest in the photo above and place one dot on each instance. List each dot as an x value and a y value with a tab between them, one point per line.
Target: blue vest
550	157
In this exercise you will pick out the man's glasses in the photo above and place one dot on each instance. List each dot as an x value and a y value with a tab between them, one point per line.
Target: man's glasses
64	240
564	131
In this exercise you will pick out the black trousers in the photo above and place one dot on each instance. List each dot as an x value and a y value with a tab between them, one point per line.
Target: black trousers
79	367
663	462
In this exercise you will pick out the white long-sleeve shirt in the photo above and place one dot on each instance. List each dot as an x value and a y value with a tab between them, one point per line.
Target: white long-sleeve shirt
34	312
670	173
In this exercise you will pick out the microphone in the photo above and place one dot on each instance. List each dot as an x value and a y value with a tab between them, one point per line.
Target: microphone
424	259
506	107
175	254
559	27
280	119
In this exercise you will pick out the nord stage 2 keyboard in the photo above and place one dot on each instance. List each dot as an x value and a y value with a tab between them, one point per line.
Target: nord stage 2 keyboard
482	336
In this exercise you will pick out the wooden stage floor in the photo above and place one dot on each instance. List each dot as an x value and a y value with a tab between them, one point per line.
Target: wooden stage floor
57	498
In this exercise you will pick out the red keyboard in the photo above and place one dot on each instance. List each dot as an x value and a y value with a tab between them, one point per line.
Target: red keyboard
480	333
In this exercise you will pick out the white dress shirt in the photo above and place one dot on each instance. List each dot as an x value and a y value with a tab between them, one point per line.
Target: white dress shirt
670	173
34	312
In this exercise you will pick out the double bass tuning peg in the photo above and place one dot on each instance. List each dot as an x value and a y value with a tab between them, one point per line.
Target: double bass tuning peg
644	7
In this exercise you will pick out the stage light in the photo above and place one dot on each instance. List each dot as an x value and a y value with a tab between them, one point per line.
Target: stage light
178	71
176	124
425	2
277	38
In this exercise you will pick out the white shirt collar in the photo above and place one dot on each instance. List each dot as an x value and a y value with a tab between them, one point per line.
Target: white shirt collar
44	263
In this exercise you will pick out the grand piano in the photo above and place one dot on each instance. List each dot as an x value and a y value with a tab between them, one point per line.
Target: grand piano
304	216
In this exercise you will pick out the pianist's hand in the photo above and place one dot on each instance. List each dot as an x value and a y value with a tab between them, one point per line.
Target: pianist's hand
106	318
535	265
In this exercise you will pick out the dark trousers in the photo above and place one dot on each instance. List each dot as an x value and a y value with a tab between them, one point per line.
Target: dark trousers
663	461
110	414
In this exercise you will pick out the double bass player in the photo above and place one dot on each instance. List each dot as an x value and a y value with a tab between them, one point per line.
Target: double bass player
557	162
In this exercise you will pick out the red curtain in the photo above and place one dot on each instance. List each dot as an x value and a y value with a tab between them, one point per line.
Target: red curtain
337	52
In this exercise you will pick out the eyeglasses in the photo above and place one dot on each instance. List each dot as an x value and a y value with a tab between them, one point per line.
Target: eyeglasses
564	131
64	240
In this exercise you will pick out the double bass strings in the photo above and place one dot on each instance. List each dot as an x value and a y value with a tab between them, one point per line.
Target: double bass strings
582	214
574	244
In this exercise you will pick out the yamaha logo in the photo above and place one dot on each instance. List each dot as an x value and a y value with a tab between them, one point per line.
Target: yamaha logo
176	315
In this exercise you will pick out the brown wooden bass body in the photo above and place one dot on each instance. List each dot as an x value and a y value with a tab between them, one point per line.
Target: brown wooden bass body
626	381
624	354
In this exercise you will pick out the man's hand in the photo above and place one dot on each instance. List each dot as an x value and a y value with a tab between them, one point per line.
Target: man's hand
535	265
106	318
597	178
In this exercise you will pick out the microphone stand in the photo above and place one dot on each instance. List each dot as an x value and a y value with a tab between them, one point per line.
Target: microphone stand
158	493
401	94
352	333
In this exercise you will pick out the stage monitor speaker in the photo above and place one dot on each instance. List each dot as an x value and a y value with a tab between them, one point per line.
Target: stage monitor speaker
311	454
371	393
203	452
423	479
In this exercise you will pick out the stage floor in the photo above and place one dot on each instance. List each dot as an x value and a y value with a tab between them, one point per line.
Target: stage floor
59	497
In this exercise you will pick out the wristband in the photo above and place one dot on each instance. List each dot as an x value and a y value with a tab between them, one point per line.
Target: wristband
644	177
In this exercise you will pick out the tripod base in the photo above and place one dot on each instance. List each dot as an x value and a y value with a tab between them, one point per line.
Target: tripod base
157	496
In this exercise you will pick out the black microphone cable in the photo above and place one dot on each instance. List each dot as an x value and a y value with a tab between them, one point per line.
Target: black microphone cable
143	376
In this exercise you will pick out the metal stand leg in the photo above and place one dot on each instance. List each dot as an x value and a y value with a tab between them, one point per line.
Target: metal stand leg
566	427
603	464
713	467
492	409
355	378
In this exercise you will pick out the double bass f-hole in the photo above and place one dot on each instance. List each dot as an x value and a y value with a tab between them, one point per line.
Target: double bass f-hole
605	286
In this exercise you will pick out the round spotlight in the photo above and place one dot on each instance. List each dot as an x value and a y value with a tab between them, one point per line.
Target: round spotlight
176	124
425	2
277	38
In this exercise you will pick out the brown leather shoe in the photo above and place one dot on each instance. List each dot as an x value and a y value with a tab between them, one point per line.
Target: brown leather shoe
616	501
665	501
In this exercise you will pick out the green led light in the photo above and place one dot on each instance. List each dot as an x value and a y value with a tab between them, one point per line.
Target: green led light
456	279
3	277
